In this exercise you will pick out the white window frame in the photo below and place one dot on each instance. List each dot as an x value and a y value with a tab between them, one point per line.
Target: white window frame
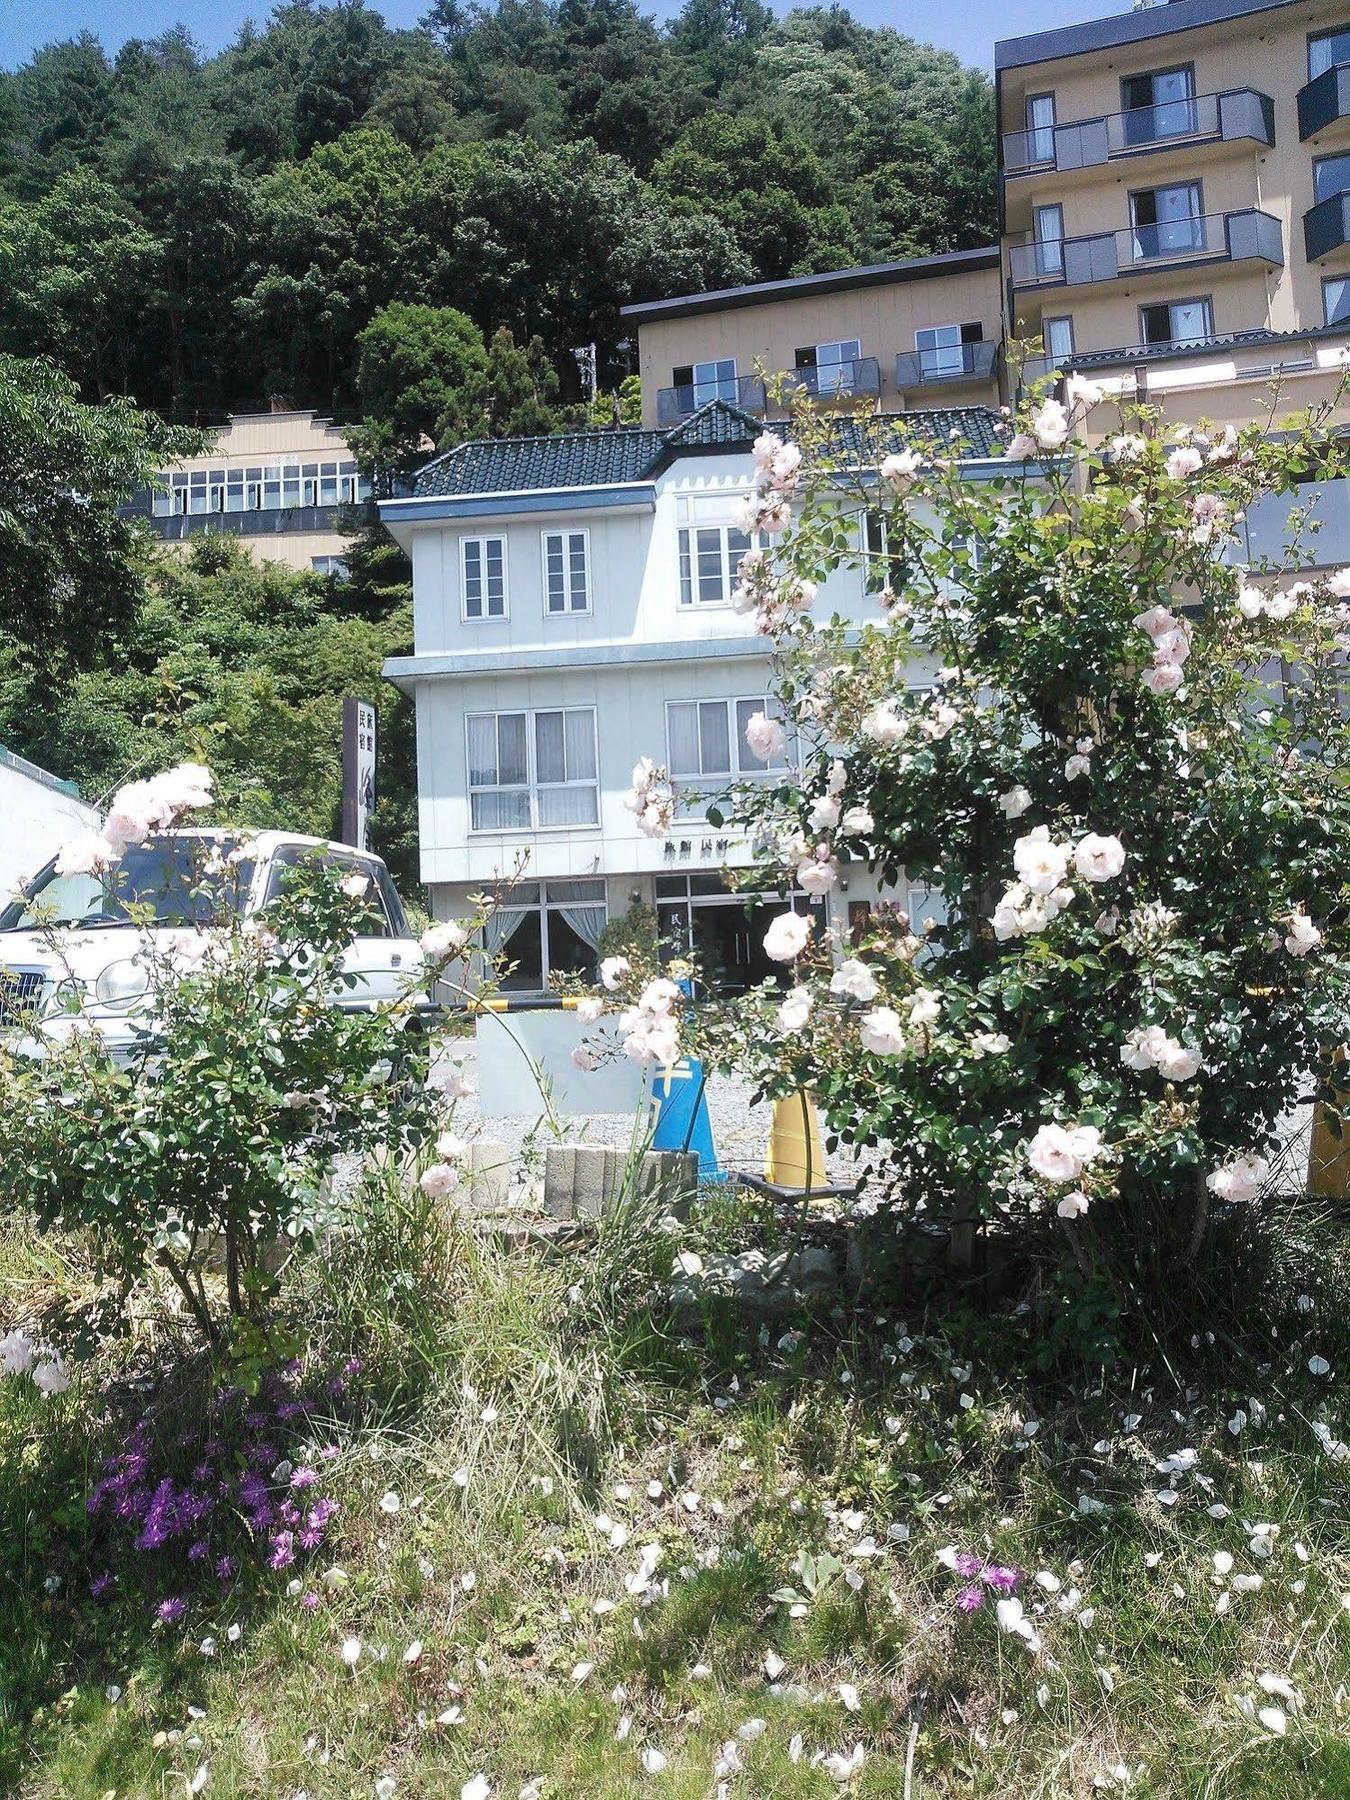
567	610
533	786
737	746
485	617
686	533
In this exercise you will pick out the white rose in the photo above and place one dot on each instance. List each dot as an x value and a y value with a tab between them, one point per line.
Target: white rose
817	876
854	980
1015	802
1059	1154
1098	858
884	725
612	971
787	936
1240	1180
795	1010
443	939
881	1032
1184	460
765	736
824	814
589	1008
1040	862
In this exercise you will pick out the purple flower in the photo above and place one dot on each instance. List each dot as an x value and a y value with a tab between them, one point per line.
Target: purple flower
168	1612
304	1477
100	1585
1002	1580
310	1601
226	1567
970	1599
967	1565
197	1550
283	1551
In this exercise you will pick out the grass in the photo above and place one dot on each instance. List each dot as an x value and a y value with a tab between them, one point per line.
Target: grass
515	1404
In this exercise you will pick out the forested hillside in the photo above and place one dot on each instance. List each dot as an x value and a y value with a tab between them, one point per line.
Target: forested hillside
206	233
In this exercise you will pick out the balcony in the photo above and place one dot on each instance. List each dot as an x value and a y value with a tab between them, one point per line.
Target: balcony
945	366
1240	115
1324	100
1247	236
1326	226
676	403
851	380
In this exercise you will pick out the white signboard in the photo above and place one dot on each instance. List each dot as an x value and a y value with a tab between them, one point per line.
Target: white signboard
358	770
525	1066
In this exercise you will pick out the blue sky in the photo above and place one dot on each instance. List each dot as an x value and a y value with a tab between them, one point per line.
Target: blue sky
968	27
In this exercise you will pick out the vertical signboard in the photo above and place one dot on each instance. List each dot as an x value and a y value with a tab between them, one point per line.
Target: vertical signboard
358	770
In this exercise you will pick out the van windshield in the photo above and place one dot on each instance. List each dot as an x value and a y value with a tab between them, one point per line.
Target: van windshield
167	874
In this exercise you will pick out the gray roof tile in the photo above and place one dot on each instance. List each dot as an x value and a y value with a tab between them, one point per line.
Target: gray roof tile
603	458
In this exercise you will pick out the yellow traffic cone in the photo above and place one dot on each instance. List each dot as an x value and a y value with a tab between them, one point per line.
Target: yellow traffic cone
1329	1155
796	1157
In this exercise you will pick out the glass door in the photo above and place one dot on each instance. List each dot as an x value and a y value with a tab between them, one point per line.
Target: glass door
1160	105
1167	221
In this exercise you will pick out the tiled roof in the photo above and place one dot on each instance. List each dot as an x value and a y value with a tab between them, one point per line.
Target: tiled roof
604	458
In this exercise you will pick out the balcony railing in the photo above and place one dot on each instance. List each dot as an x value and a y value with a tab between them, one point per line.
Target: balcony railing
1326	226
860	375
1241	113
1324	100
945	364
676	403
1212	237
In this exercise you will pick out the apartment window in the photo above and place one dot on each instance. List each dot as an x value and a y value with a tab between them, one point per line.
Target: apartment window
709	555
567	585
1049	228
545	929
336	566
1057	338
704	381
1158	105
948	349
1168	221
706	747
1040	118
882	566
830	368
1176	322
532	770
482	562
1331	175
1336	299
1328	50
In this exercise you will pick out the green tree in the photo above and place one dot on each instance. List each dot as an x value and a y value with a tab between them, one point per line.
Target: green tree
419	375
517	389
70	570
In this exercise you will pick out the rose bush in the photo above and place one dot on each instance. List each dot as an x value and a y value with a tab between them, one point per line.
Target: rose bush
1119	757
210	1153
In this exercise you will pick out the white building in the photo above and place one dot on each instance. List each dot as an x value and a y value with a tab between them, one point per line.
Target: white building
572	613
38	814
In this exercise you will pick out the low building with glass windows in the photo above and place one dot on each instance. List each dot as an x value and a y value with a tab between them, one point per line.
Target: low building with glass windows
572	613
284	484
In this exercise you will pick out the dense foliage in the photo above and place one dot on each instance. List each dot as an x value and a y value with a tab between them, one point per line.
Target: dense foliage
203	233
248	664
1118	758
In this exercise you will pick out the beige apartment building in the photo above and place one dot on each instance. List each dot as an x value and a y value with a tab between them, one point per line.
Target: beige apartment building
283	483
890	337
1175	193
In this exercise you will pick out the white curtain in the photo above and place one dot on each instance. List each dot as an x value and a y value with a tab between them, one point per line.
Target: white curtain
587	921
682	723
501	926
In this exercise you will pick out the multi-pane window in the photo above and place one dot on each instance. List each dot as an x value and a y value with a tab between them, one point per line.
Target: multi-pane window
948	349
709	556
258	487
883	566
546	929
1057	338
567	587
1331	175
1336	299
1040	117
482	563
1048	223
1327	50
532	770
336	566
830	368
1168	221
1158	105
706	746
1176	322
699	382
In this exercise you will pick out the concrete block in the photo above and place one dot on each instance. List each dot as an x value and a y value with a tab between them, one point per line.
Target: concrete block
560	1181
